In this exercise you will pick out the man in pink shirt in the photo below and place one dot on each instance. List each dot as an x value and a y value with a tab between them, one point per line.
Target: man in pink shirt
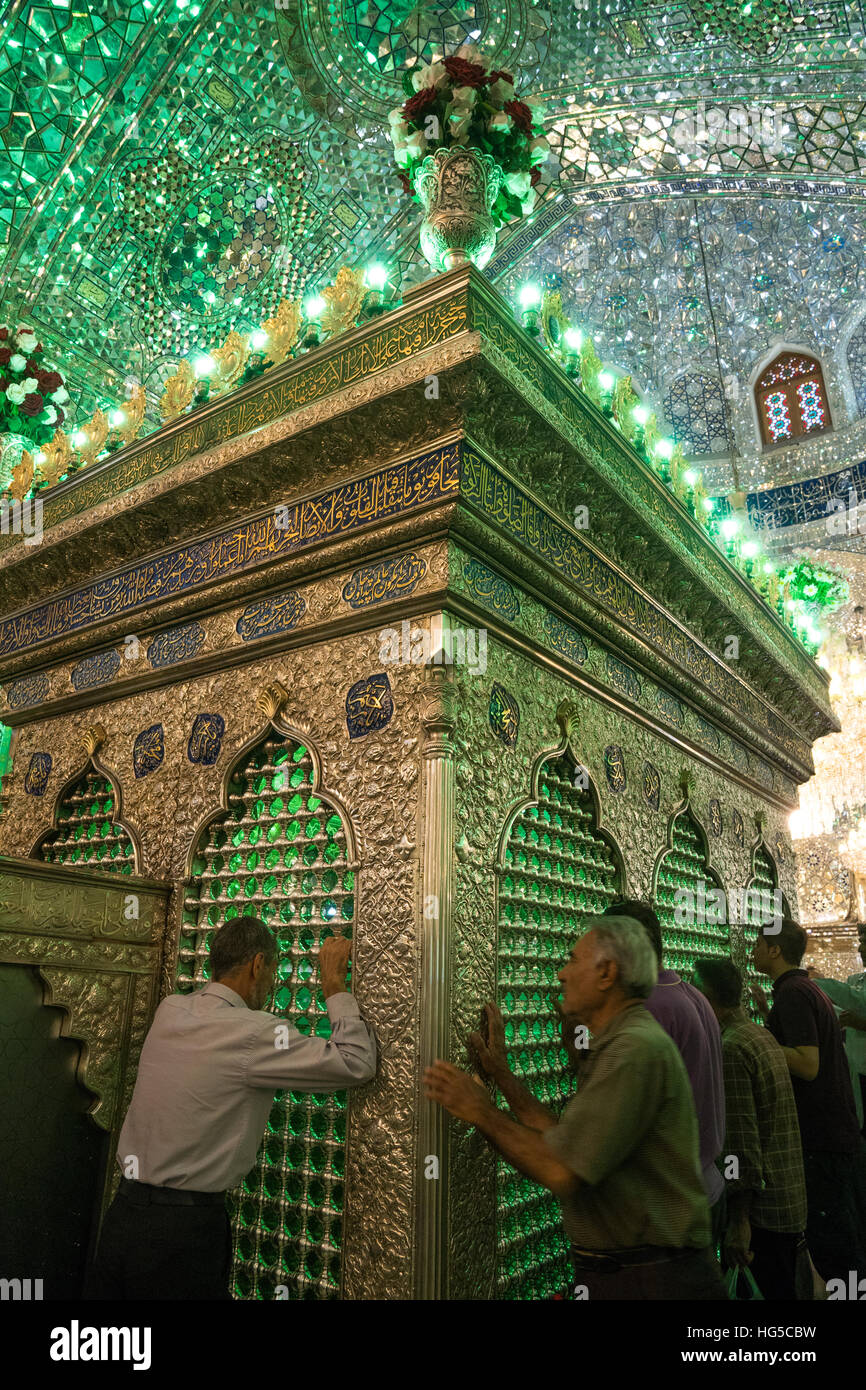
688	1019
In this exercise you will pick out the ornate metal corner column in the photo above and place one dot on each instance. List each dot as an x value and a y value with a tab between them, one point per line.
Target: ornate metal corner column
431	1276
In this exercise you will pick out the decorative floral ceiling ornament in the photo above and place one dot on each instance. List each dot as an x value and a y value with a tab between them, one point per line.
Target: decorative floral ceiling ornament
32	396
463	103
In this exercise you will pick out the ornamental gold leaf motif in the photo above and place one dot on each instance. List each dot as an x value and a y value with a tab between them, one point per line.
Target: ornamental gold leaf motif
344	299
282	330
58	455
96	430
133	411
179	391
22	477
230	361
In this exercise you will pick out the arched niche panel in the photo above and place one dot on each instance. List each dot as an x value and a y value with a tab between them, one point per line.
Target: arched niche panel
282	849
759	903
556	868
86	827
693	920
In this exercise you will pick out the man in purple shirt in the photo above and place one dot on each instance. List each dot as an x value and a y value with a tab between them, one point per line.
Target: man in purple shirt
688	1019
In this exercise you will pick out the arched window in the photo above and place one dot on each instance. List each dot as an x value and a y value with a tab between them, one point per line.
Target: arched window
687	900
86	832
791	398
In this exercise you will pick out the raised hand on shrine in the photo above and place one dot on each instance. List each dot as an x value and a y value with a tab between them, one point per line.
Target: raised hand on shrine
490	1052
334	955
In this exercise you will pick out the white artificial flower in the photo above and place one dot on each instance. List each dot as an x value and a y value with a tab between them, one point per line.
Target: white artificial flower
60	395
518	183
30	384
528	203
463	100
402	155
500	91
26	339
50	415
416	145
432	75
396	116
539	150
501	122
458	127
17	363
15	393
399	132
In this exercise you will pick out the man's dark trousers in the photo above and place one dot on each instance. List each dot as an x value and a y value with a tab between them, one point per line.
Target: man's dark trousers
157	1243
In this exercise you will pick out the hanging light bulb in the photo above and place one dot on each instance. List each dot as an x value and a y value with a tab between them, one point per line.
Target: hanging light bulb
530	299
573	344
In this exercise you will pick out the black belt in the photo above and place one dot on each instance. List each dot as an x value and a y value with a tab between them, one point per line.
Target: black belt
608	1262
143	1194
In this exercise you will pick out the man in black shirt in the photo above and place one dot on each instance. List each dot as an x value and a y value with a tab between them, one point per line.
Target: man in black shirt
803	1022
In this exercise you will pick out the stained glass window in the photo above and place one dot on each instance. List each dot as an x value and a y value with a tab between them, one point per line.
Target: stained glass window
693	918
559	869
791	398
85	833
279	853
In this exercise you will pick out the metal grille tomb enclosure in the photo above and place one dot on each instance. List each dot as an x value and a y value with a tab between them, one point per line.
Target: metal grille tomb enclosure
280	853
558	870
85	834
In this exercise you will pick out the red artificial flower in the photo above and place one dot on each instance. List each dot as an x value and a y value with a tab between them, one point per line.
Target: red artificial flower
465	74
534	177
506	77
48	381
60	416
419	103
4	334
5	354
520	114
32	404
406	182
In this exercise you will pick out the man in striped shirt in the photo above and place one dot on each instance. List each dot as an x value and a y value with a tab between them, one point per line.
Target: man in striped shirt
767	1196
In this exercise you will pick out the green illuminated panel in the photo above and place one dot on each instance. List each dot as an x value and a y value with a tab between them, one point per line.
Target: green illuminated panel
766	882
85	836
279	854
684	870
558	870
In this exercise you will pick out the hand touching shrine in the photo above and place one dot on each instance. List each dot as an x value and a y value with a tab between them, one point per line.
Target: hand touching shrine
462	1095
334	955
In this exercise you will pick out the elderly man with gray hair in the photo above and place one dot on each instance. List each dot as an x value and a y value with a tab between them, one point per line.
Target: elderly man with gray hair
623	1157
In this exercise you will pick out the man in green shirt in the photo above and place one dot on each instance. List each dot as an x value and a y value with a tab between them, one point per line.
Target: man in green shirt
623	1157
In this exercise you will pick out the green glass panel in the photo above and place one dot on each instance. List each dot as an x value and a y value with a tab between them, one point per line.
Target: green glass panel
294	1239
